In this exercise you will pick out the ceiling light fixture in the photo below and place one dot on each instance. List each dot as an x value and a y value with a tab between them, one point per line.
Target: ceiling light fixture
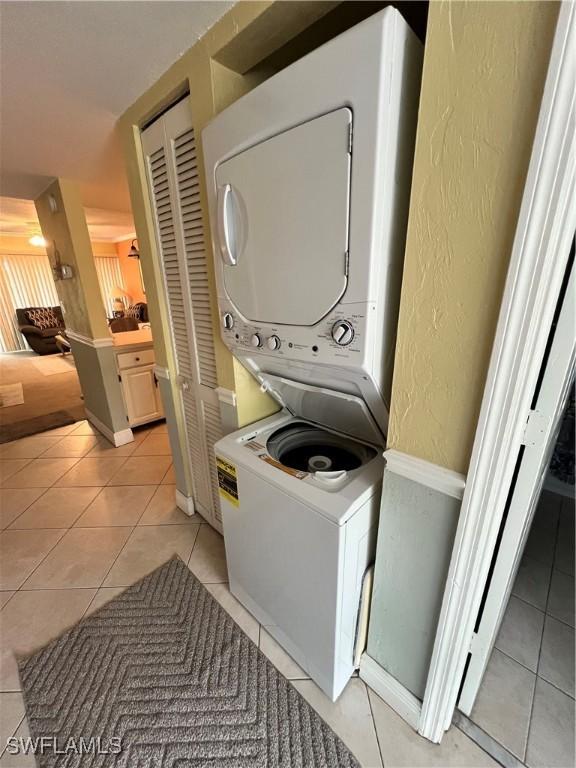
38	241
134	253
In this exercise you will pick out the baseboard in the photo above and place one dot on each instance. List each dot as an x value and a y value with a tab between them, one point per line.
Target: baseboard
161	372
226	396
390	690
116	438
106	341
185	503
424	472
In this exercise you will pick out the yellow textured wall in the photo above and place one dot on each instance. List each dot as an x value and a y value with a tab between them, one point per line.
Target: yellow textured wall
66	230
484	69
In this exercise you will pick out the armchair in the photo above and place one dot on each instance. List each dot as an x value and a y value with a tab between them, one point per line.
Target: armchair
42	340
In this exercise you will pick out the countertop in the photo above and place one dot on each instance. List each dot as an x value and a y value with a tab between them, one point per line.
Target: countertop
133	338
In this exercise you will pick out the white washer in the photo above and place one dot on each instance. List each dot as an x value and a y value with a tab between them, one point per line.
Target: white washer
308	180
298	540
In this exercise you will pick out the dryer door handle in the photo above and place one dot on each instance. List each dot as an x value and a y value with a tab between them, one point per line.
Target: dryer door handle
224	234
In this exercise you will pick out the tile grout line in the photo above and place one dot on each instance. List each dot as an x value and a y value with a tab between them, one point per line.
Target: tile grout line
99	587
527	602
545	612
127	458
56	527
192	552
125	545
5	747
5	479
24	510
508	656
368	689
479	745
529	729
59	438
21	587
120	552
556	537
560	621
18	589
148	503
56	480
66	530
54	589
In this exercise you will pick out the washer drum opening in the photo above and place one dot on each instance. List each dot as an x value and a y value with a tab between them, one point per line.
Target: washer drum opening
311	449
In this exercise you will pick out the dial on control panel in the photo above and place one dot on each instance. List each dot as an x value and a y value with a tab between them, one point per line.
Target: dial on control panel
342	332
273	342
228	320
256	340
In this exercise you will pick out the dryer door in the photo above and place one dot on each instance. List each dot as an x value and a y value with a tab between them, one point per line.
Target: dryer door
283	212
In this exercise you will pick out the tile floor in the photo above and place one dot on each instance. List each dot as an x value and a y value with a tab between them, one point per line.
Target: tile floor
81	520
526	700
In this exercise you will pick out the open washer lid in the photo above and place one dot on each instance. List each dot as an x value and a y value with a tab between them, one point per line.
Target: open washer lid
336	410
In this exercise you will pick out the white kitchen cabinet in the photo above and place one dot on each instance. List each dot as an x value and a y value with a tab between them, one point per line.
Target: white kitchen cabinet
141	394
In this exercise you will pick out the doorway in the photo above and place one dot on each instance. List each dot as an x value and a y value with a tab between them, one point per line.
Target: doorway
39	386
518	686
525	703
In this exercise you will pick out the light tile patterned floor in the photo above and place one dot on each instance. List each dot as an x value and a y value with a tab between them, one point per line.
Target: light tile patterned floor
526	700
82	520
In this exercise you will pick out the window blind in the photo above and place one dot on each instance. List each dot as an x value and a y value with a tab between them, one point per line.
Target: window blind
109	277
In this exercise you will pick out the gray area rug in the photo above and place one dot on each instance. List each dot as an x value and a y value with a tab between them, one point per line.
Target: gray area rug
165	674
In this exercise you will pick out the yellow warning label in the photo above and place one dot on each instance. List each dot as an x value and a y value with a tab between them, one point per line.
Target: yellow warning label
227	480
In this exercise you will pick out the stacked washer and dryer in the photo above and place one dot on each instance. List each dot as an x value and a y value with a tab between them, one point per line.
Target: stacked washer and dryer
308	181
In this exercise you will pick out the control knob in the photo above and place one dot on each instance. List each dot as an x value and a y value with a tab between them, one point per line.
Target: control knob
256	340
342	332
273	342
228	321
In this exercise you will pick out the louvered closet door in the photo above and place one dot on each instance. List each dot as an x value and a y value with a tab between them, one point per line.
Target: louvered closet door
170	149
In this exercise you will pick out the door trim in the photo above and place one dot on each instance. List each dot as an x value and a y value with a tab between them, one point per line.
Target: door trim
532	464
388	688
538	261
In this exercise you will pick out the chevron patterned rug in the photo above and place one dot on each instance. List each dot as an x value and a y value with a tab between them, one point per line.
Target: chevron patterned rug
162	677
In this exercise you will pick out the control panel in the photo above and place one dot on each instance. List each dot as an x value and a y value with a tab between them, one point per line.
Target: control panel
339	339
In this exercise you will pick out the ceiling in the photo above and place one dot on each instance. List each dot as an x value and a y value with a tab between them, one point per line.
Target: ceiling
18	218
69	70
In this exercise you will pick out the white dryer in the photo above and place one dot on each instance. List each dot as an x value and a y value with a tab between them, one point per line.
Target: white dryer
308	180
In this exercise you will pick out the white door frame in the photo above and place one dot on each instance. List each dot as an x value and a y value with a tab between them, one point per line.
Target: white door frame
540	434
540	251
